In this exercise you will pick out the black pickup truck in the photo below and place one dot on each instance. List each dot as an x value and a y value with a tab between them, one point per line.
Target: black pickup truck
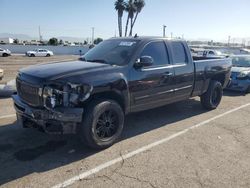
119	76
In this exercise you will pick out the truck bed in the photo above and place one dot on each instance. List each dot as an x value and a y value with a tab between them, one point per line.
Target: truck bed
206	69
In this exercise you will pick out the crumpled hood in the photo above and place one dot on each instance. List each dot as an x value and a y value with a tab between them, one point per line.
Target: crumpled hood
240	69
53	71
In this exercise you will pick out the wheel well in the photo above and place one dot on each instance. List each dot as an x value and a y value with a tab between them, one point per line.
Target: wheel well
109	95
220	78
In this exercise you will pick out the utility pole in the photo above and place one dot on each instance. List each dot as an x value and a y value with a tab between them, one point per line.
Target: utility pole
229	38
243	42
164	31
40	36
93	34
171	35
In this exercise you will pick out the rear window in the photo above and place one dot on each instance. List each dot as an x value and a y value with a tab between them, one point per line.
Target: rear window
179	53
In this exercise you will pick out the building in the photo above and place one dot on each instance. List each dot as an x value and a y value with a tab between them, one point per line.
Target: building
6	40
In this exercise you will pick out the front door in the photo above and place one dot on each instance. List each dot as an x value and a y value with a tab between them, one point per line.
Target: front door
152	86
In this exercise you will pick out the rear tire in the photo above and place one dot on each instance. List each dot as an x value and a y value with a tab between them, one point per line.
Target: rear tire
212	98
102	124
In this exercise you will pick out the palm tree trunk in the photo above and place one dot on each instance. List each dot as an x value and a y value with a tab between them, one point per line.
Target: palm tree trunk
126	29
131	26
131	30
119	26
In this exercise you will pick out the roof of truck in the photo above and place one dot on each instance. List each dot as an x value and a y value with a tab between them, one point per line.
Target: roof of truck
147	38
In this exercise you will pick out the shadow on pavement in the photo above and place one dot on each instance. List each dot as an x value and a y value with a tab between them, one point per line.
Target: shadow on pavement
26	151
230	93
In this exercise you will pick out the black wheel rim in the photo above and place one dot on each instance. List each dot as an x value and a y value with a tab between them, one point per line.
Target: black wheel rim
216	96
107	125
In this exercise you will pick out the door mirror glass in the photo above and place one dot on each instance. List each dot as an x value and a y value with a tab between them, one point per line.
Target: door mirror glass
144	61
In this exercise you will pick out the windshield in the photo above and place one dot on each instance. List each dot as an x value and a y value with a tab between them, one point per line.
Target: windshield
114	52
241	61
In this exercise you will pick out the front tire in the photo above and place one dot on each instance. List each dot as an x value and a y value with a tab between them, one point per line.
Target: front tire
212	98
102	124
5	55
48	55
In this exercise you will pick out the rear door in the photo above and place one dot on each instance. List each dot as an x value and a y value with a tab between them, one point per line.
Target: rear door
41	53
152	86
183	69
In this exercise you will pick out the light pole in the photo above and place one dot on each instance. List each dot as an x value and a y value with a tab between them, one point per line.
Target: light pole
93	34
164	30
229	38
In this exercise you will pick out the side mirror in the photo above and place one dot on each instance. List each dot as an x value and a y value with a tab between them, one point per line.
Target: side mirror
144	61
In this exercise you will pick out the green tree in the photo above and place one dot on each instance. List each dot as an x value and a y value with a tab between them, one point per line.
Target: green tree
120	7
61	42
53	41
130	9
139	4
85	42
16	41
98	40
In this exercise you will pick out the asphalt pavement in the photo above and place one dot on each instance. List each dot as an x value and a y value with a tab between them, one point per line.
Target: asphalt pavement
178	145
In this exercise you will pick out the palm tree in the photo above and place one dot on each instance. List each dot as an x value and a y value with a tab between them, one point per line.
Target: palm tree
139	4
130	8
120	7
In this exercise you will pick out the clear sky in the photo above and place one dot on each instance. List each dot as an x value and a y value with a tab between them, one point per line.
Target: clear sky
196	19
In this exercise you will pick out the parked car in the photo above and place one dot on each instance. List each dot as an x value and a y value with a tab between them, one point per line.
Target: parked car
211	53
4	53
1	74
39	53
119	76
196	51
8	89
240	76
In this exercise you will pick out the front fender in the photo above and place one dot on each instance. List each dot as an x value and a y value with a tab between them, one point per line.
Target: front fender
114	84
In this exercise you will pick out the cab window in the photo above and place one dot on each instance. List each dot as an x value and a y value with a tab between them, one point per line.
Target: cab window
179	53
157	50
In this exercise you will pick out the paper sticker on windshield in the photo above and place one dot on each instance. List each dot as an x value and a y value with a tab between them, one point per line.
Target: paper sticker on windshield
126	43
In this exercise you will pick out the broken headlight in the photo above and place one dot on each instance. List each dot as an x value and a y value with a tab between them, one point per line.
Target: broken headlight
67	96
52	97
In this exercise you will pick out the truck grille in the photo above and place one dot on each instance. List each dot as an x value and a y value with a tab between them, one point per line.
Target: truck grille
28	93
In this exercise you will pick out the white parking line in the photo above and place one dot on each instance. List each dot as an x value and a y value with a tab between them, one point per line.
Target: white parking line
140	150
7	116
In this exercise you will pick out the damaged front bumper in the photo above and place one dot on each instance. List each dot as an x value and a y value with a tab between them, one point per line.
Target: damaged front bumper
56	121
